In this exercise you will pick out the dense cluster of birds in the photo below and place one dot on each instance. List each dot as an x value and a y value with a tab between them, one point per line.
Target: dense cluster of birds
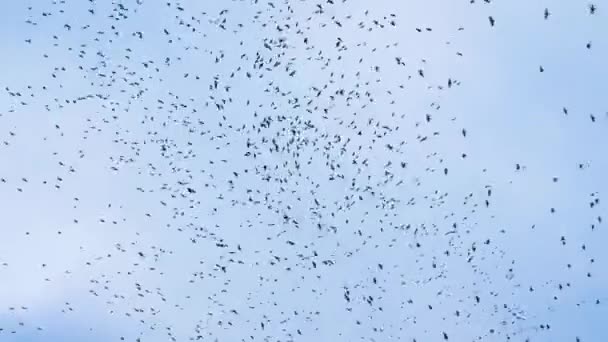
283	171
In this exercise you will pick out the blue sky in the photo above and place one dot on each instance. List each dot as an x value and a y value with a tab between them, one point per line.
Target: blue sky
111	139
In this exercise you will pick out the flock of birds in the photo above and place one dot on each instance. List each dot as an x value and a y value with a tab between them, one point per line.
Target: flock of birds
284	171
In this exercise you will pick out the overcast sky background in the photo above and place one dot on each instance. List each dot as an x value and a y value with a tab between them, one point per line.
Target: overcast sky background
513	114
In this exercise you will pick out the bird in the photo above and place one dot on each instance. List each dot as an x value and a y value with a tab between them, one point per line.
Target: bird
280	164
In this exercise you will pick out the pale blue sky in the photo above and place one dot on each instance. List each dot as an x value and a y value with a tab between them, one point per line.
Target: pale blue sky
94	277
